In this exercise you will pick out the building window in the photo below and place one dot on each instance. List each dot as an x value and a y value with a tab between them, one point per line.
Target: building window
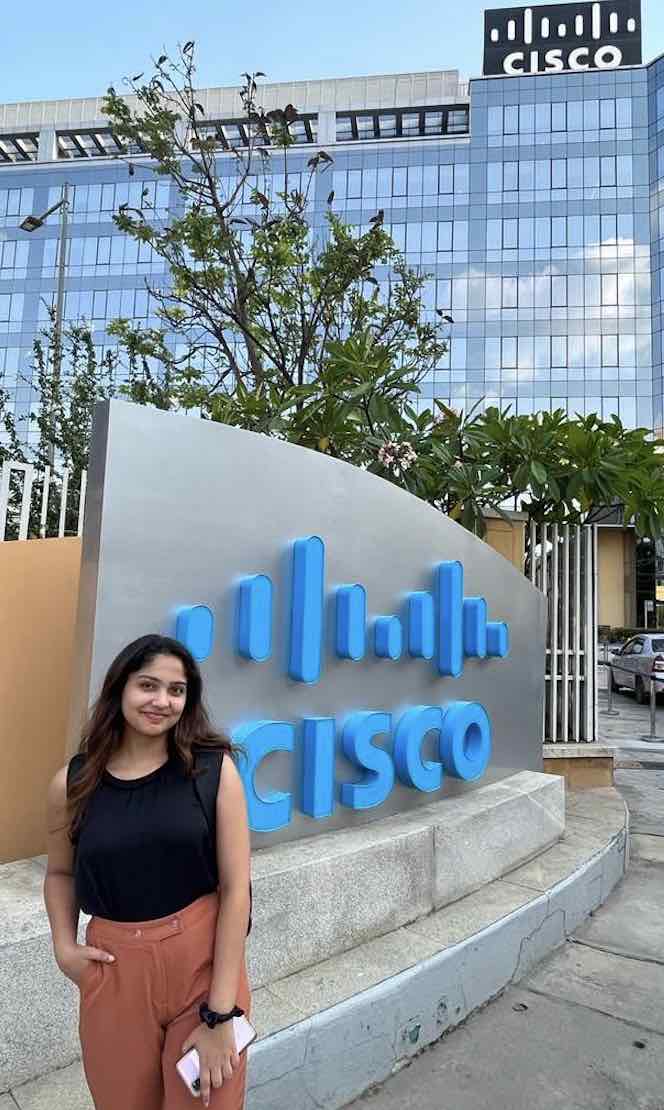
607	114
445	236
13	259
558	351
508	360
11	311
559	291
607	171
15	203
559	173
559	117
510	292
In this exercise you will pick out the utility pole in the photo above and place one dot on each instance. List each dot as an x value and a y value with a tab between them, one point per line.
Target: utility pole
32	223
60	287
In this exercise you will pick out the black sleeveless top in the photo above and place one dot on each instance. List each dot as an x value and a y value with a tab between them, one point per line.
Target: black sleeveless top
146	847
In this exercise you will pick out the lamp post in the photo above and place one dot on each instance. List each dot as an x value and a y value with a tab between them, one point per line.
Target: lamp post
32	223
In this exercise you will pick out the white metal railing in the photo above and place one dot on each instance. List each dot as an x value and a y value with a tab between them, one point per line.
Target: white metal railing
563	565
21	506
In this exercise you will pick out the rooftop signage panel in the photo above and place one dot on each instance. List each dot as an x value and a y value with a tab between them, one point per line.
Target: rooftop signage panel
551	38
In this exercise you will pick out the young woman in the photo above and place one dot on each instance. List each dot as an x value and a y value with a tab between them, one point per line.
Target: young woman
148	833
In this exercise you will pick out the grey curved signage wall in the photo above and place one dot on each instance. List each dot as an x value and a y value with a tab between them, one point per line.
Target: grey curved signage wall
369	654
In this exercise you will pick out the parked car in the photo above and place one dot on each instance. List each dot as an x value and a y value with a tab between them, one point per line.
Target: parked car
635	662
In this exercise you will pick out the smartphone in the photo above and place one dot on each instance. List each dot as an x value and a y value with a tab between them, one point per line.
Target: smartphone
188	1067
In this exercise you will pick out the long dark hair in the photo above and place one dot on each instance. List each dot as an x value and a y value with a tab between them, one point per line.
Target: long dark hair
103	732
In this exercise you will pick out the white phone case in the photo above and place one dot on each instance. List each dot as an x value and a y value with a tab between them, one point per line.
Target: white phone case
188	1067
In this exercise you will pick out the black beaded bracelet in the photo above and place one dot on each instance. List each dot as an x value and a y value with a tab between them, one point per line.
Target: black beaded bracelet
211	1018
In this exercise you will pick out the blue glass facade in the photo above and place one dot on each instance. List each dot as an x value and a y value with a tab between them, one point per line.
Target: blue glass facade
656	148
536	231
540	232
105	271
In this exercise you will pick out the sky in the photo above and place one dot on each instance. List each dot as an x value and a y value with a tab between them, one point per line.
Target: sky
75	48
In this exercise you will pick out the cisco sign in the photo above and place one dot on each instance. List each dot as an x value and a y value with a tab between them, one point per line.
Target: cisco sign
369	655
440	627
554	37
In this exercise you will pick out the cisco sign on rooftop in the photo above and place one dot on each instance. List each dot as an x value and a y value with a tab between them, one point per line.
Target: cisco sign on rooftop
530	196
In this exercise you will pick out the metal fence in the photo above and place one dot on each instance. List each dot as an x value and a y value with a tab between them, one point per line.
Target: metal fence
562	562
40	503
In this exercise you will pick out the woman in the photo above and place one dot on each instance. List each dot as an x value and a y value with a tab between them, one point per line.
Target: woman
148	833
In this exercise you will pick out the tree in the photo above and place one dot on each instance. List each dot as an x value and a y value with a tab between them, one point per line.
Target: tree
287	319
556	469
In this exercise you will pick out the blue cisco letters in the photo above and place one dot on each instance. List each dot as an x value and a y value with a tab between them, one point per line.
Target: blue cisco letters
464	749
441	625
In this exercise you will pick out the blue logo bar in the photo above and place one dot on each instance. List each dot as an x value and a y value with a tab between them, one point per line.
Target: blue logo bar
474	627
420	622
449	625
351	607
497	639
254	618
194	627
307	597
388	637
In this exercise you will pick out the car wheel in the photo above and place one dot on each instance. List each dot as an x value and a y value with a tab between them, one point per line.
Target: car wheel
640	692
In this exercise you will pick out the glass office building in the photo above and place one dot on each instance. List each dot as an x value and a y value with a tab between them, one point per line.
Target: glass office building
532	203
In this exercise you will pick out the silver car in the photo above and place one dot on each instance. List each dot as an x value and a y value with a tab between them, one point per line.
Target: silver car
635	662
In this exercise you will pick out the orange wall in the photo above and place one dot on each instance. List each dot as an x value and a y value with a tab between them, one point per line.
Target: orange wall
38	598
508	539
617	586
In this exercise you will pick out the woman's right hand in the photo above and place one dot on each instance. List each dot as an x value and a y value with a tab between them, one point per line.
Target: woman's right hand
74	959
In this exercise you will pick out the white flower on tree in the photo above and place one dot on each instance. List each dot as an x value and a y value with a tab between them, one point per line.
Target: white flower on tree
397	457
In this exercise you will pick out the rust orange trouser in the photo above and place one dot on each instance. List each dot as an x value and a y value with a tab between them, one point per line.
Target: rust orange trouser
137	1012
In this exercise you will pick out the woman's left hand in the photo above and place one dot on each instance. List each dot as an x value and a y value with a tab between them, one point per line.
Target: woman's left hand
217	1053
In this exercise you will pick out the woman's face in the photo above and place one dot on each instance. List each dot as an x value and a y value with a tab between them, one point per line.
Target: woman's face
154	697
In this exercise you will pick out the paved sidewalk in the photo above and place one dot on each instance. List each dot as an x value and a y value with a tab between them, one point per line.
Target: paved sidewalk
585	1031
626	730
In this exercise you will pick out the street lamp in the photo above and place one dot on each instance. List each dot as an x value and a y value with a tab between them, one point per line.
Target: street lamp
33	223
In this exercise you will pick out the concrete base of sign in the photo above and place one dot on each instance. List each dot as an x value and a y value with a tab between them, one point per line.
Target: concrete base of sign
331	1031
318	897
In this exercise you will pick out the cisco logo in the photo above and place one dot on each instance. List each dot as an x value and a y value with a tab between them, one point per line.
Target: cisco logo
556	37
439	626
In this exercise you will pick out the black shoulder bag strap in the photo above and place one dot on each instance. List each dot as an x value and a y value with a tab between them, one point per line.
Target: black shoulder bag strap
207	770
76	764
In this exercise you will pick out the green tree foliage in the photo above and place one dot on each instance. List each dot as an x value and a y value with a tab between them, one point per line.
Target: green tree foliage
264	287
